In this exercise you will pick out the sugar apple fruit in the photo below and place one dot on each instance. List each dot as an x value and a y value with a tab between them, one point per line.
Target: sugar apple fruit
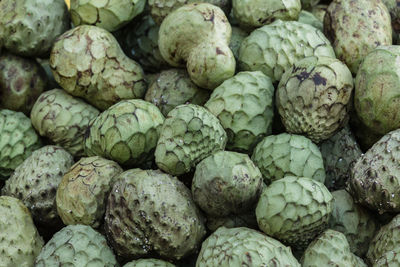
149	263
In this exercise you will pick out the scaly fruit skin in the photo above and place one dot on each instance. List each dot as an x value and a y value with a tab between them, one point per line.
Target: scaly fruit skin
237	37
189	134
63	119
243	247
18	140
248	220
274	48
76	245
20	241
172	88
377	90
319	12
307	4
149	263
88	62
127	132
394	11
340	153
244	106
330	249
286	154
30	27
109	15
83	191
152	212
355	222
313	97
22	80
375	179
226	183
389	259
385	241
294	210
308	18
342	24
35	182
256	13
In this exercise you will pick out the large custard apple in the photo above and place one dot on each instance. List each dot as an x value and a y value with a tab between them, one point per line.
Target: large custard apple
243	247
127	132
18	140
244	106
76	245
189	134
149	263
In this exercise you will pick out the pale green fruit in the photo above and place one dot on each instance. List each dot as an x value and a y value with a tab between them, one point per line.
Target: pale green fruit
149	263
308	18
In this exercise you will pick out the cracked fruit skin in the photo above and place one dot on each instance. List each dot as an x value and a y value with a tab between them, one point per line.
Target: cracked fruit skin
29	27
149	263
274	48
76	245
127	132
294	210
286	154
88	62
375	178
22	80
243	247
20	241
110	15
189	134
313	97
152	212
35	182
244	106
377	90
197	35
18	140
63	119
226	183
356	27
83	191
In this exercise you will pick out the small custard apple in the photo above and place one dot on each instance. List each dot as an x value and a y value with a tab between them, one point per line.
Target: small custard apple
242	246
189	134
76	245
149	263
63	119
35	182
127	132
288	154
18	140
244	106
294	210
20	242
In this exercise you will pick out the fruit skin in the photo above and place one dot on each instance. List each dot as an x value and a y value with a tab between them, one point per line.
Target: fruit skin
20	240
247	219
283	43
356	223
22	80
374	180
172	88
340	153
35	182
294	210
394	11
313	97
244	106
127	132
226	183
343	21
152	212
18	140
319	12
255	13
109	15
88	62
330	249
63	119
189	134
243	247
377	89
306	4
237	37
308	18
30	27
76	245
149	263
83	191
198	35
286	154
